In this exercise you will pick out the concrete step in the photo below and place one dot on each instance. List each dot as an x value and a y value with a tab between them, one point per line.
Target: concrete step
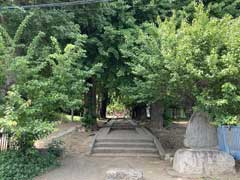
124	150
124	140
125	144
145	155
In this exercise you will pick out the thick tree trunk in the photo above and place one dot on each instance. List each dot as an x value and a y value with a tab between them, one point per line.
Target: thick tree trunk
188	111
10	80
103	104
188	106
1	19
157	111
90	105
72	115
139	112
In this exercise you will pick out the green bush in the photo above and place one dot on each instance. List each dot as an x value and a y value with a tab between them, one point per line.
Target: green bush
116	106
15	165
56	148
227	120
168	119
88	121
21	123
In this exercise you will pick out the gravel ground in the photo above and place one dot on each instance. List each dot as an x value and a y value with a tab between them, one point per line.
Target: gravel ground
172	137
77	165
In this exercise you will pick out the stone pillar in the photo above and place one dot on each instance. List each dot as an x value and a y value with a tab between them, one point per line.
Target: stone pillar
200	134
201	157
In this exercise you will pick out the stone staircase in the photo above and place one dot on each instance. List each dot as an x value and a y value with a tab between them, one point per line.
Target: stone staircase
125	140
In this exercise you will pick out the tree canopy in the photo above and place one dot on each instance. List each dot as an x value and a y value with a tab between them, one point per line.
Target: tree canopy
157	53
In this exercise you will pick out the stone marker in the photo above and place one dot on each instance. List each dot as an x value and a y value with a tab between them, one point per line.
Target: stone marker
203	158
124	174
200	134
203	162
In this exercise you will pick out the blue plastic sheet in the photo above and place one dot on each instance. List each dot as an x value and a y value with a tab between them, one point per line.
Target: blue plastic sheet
229	140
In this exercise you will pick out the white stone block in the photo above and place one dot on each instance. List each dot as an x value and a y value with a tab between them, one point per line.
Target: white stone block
124	174
203	162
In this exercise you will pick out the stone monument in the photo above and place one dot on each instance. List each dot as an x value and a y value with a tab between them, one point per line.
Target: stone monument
124	174
201	157
199	133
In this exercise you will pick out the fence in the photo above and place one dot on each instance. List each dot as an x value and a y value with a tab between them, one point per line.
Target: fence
4	141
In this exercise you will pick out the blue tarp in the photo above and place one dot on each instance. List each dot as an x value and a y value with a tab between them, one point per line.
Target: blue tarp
229	140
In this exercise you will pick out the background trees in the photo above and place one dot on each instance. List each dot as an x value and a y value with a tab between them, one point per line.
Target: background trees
44	80
130	51
197	63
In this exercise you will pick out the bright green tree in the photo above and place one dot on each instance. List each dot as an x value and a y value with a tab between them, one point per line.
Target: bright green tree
197	62
45	80
16	112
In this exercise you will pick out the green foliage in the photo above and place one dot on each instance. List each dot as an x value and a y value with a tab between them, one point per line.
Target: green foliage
15	165
19	121
209	49
46	80
132	50
21	28
69	73
115	106
197	61
143	48
89	121
56	148
2	62
227	120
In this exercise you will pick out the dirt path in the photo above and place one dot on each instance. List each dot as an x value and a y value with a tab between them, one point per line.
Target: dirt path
77	165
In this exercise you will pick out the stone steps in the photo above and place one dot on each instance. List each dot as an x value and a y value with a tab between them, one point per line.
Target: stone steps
125	144
152	155
124	150
118	140
124	140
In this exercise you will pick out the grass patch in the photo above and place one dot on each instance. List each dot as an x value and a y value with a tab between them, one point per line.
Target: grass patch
67	118
15	165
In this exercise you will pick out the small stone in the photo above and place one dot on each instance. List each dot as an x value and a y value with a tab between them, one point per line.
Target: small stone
199	133
124	174
203	162
168	157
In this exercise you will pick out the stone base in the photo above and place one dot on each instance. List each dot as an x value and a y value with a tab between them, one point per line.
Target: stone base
203	162
124	174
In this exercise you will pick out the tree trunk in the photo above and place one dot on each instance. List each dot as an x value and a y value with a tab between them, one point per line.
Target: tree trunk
72	115
103	104
188	111
139	112
157	111
90	105
188	106
10	80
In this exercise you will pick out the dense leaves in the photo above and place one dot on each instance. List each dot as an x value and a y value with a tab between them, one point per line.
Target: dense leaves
197	62
131	51
17	166
40	82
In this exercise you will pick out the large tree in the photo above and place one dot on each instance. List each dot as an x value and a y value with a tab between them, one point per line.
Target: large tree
197	62
39	80
108	27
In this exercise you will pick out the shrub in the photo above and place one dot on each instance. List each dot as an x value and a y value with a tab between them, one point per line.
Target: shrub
56	148
15	165
227	120
20	121
88	121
